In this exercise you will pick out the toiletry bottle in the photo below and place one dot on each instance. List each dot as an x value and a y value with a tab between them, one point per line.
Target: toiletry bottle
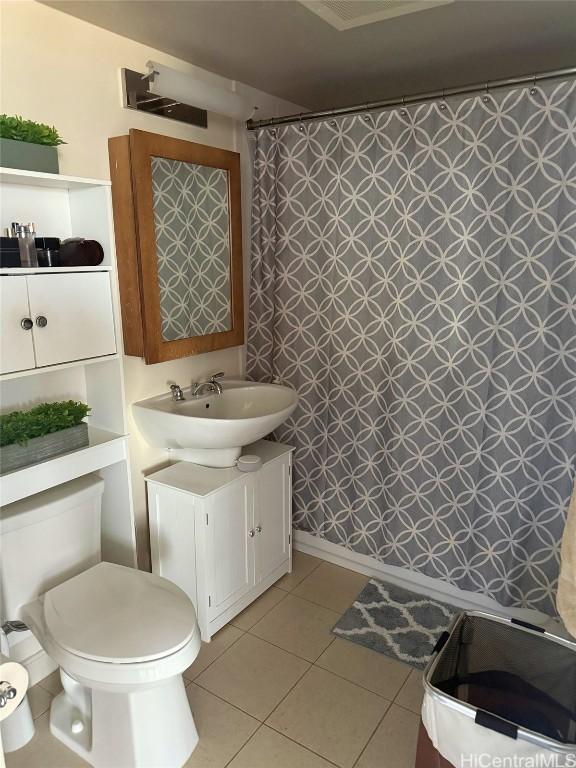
26	240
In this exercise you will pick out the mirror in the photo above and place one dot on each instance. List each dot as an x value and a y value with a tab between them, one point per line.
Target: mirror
192	248
179	245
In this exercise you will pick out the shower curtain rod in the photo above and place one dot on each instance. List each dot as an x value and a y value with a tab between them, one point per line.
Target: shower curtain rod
252	125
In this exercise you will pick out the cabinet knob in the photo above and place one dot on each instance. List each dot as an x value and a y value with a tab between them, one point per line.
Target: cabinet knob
41	321
26	323
251	532
258	529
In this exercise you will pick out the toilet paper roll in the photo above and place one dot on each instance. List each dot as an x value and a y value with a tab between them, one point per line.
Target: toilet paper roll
13	686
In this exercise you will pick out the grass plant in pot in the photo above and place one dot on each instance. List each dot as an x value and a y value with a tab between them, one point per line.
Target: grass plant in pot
49	429
28	145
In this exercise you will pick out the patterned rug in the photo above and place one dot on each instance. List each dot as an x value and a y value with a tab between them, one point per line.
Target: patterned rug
396	622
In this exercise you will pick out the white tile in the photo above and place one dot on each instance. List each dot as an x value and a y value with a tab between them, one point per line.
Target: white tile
331	586
39	700
302	566
269	749
222	729
365	667
253	675
394	743
412	692
209	652
298	626
52	683
330	716
258	608
44	751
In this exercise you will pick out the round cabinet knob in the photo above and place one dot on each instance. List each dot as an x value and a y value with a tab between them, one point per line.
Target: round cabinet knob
41	321
3	701
258	529
26	323
251	532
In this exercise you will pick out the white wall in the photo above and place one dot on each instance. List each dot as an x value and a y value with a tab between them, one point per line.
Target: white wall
62	71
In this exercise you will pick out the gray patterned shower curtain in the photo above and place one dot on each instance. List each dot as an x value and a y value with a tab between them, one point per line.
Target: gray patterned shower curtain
414	278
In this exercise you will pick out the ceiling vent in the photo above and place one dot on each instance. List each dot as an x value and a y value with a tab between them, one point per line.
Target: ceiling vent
347	14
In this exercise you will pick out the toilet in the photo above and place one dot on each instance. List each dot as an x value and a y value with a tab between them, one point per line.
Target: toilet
121	637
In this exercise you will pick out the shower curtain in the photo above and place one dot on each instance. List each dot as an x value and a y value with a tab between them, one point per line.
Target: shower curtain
414	278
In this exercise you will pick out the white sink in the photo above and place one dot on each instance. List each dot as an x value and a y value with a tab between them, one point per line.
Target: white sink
211	429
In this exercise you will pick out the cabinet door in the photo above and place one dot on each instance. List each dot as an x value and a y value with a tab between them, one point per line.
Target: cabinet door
172	537
272	516
229	555
17	348
78	313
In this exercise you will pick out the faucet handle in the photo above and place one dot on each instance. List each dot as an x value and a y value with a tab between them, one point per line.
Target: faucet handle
217	375
177	393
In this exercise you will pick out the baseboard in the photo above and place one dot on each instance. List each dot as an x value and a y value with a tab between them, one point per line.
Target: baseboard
402	577
26	650
39	666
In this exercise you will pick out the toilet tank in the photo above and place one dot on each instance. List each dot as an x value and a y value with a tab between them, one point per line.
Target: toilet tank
46	539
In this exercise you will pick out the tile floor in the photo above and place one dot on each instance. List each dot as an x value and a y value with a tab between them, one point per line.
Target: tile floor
275	689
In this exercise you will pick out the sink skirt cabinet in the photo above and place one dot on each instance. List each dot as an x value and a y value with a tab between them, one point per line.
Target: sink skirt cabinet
222	535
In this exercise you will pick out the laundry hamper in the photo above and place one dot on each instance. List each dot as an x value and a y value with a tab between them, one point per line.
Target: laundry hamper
498	688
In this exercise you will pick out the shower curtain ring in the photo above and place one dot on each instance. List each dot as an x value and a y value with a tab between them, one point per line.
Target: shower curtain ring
367	117
300	124
403	111
533	90
486	97
443	104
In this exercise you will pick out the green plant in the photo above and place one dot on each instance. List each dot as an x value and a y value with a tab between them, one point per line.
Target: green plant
18	129
21	426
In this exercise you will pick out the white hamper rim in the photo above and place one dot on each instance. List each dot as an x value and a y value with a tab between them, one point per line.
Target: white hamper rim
451	726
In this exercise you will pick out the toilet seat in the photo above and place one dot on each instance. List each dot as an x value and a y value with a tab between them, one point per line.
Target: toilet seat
119	615
121	660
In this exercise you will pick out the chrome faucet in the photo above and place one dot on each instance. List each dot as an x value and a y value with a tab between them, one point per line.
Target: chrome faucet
209	386
177	393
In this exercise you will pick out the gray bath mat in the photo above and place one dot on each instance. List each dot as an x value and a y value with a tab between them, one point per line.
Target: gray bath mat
396	622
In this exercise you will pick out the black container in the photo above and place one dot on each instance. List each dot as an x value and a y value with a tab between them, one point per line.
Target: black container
48	251
52	243
9	252
48	257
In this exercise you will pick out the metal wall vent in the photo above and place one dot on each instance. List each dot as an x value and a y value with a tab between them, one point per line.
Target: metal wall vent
346	14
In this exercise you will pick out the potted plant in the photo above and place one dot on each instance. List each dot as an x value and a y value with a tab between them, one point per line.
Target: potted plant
28	145
27	437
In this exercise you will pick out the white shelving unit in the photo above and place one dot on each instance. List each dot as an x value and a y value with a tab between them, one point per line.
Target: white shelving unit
65	206
49	270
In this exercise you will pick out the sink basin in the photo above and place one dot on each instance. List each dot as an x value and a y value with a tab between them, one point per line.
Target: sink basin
212	429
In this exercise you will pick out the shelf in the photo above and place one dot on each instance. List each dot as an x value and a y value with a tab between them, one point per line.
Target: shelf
58	367
201	481
51	180
51	270
104	448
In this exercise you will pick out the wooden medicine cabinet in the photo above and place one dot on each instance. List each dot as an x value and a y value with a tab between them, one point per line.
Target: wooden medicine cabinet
178	226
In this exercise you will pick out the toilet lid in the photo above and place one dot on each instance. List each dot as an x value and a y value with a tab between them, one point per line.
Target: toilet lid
116	614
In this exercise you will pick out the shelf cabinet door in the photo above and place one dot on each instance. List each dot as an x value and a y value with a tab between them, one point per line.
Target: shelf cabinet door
229	555
79	317
17	347
273	517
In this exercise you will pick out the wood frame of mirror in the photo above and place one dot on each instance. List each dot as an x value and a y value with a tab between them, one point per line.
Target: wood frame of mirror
133	206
